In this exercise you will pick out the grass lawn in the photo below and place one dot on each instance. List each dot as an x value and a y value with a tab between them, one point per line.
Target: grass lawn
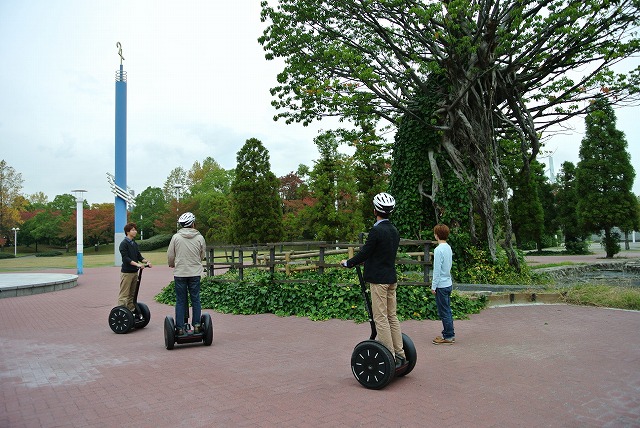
27	261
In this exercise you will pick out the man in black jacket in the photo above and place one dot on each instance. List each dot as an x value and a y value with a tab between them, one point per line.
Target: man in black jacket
132	260
379	253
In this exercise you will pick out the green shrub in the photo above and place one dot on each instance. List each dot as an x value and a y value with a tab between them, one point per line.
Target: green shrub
155	242
7	256
49	254
319	299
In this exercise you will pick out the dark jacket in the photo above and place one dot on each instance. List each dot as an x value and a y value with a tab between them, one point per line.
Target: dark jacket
379	253
129	251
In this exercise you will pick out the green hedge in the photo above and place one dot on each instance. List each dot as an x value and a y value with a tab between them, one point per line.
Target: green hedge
155	242
318	300
7	256
52	253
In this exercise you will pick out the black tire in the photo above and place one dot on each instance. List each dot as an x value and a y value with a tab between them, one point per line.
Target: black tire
372	364
410	353
121	320
169	332
146	315
207	325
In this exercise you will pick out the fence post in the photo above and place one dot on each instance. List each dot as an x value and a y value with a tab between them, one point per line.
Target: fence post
287	259
241	263
210	259
321	260
427	259
272	259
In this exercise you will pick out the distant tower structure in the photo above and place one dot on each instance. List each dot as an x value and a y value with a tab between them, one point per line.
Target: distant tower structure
552	174
119	181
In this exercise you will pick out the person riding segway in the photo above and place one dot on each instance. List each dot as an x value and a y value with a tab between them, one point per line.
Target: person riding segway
185	253
130	313
375	363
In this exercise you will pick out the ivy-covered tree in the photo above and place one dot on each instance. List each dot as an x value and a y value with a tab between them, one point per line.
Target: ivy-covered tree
504	66
575	238
604	177
256	215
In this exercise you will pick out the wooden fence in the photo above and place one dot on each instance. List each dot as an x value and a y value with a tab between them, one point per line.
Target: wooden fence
290	257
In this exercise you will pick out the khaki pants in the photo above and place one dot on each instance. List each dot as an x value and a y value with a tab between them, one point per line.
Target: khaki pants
383	303
127	289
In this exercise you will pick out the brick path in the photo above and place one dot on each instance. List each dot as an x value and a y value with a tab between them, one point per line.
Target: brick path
518	366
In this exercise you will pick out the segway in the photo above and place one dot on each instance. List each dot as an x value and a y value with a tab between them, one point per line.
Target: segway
171	336
372	364
122	320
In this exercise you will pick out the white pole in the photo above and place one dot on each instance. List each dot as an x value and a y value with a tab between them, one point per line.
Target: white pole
79	228
15	240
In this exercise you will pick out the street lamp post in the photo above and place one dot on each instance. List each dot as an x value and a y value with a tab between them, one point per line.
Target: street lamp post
79	228
15	240
178	188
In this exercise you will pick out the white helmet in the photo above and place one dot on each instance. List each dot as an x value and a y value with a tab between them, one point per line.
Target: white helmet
187	219
384	202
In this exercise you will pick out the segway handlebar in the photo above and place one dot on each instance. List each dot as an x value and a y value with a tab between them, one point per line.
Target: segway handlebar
367	303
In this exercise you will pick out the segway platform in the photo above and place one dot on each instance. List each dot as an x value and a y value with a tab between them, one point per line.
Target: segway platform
372	364
122	320
205	335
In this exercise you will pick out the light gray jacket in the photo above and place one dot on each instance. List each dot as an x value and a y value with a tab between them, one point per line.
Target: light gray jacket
186	252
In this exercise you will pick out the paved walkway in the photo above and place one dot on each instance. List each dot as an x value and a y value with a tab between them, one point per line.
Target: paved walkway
519	366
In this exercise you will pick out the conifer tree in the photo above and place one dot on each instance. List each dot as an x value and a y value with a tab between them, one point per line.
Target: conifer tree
256	207
575	239
604	177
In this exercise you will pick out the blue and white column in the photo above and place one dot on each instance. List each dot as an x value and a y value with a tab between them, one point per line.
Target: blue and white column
120	179
79	228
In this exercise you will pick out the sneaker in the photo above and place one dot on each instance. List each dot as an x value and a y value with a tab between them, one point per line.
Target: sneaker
400	361
197	328
180	331
442	341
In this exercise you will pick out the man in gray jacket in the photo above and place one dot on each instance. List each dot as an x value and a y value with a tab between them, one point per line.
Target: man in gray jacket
185	253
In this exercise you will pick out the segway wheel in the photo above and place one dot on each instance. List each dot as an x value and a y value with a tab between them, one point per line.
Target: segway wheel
146	315
121	320
372	364
169	332
205	321
410	353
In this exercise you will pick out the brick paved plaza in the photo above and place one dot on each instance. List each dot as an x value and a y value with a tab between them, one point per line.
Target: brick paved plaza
517	366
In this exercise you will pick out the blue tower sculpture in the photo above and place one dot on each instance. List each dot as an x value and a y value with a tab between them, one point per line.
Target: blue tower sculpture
119	181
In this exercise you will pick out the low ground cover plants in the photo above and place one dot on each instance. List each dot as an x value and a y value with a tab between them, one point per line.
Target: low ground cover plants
336	294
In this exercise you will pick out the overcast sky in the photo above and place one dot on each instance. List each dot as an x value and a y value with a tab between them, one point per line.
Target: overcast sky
197	86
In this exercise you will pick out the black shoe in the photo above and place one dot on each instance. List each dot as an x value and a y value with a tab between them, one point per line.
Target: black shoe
400	361
180	332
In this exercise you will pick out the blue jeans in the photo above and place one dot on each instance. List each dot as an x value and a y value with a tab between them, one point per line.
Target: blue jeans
443	302
190	284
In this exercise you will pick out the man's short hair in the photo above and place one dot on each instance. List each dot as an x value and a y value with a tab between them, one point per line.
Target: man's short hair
382	214
129	226
442	230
